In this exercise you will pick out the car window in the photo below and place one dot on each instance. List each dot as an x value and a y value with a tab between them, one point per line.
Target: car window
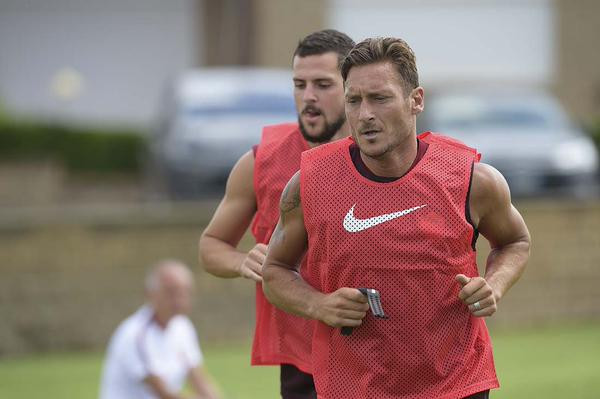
477	113
245	127
497	117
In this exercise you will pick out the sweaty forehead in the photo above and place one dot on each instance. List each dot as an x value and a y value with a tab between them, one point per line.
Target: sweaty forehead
314	67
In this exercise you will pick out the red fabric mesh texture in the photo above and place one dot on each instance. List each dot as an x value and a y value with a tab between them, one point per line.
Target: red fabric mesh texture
279	337
431	346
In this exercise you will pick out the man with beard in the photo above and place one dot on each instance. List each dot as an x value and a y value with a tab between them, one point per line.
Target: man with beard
252	196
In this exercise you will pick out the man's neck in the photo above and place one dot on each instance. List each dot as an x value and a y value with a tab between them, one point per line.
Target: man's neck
396	162
161	320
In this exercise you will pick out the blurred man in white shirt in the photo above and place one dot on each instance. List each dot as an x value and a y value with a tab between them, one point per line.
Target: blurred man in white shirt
154	351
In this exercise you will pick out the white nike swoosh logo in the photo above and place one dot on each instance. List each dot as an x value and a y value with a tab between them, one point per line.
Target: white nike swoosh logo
354	225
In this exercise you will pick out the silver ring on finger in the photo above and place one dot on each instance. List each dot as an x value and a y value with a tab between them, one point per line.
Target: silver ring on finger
477	305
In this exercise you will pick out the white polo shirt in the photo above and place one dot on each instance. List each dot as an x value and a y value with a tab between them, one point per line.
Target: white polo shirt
140	347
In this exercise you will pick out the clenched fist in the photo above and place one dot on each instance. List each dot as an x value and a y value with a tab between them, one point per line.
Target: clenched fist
251	267
345	307
477	294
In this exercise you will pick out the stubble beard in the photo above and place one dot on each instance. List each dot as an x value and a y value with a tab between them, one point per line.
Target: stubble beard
328	132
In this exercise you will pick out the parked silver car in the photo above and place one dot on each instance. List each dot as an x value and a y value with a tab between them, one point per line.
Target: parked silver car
210	118
524	133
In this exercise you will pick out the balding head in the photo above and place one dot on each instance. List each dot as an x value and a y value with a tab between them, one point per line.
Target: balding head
168	289
168	271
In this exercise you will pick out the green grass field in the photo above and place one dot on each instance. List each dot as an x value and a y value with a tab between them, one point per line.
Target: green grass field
548	363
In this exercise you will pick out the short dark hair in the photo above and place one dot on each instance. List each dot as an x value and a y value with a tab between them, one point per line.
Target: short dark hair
374	50
325	41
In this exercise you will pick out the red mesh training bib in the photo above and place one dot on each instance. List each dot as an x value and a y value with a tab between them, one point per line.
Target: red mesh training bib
408	239
278	337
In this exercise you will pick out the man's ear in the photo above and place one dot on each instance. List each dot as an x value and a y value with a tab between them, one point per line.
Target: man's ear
417	100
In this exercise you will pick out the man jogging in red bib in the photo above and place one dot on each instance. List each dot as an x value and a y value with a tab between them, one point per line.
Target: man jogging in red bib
252	197
397	214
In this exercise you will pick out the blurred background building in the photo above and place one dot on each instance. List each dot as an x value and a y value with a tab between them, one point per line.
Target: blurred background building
109	61
125	64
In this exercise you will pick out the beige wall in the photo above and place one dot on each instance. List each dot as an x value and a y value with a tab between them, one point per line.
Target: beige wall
227	29
578	52
68	279
280	24
257	32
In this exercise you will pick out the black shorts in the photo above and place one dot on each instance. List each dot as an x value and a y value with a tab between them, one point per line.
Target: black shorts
480	395
296	384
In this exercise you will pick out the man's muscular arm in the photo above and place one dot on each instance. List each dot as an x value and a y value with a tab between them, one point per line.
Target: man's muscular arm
502	225
283	285
217	247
